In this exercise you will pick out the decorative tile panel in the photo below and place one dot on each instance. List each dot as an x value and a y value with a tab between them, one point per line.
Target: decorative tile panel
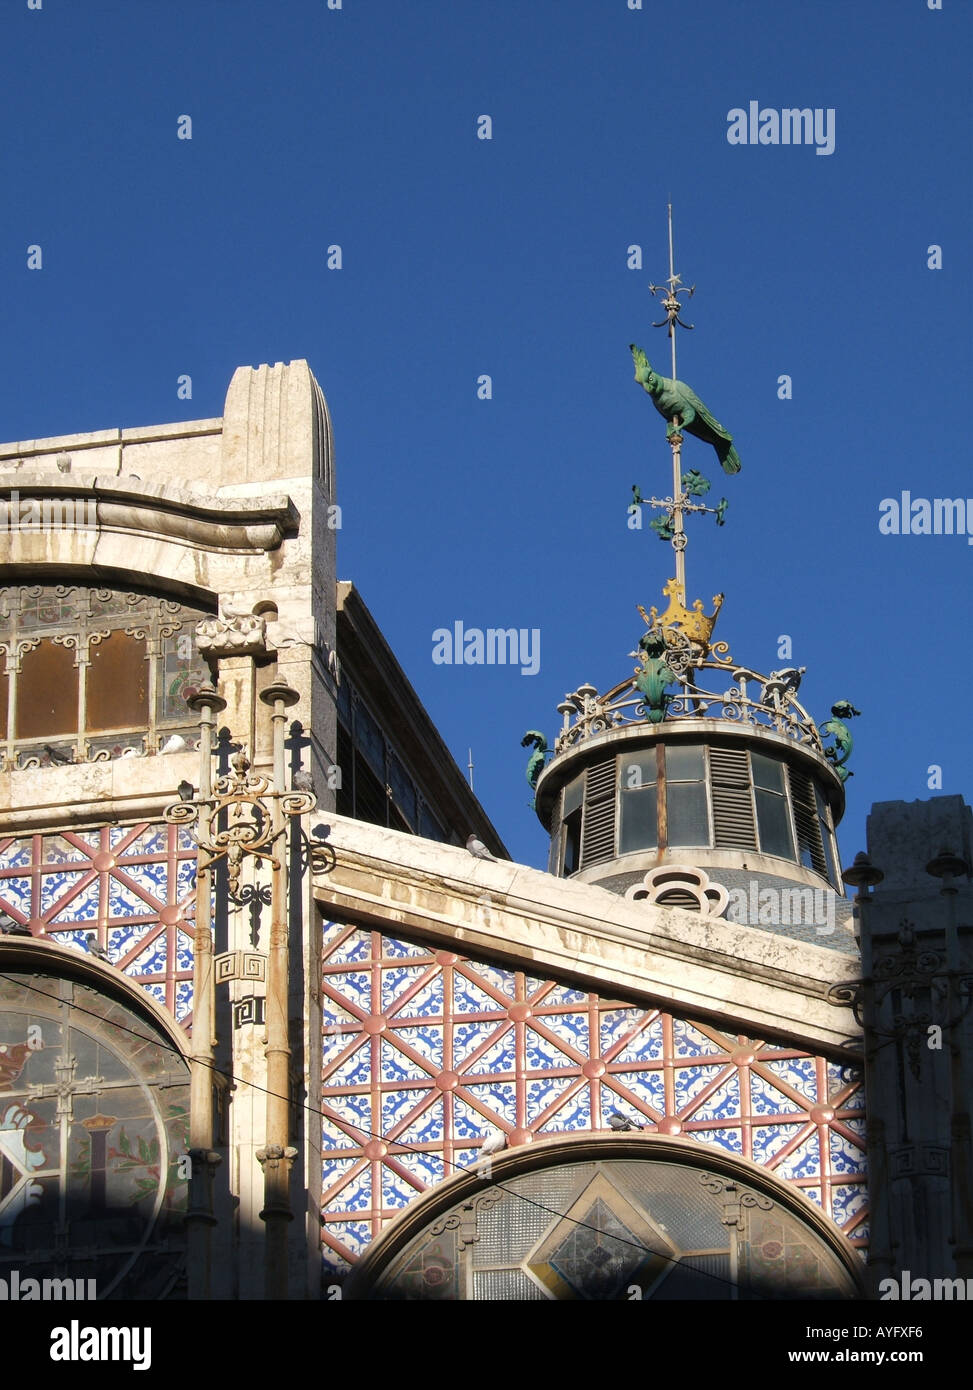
128	889
427	1053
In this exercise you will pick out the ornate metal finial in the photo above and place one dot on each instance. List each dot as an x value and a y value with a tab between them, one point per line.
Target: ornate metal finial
683	411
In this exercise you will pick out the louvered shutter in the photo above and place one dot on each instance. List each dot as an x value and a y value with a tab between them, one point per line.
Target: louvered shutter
733	826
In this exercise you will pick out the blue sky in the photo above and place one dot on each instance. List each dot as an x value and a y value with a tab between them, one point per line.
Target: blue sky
507	257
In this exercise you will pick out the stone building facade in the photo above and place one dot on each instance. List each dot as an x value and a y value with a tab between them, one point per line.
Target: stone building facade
269	1029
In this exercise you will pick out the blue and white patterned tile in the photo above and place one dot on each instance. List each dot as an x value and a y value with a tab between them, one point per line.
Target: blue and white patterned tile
428	1168
355	948
355	1070
729	1138
503	981
647	1086
427	1002
467	1037
855	1101
330	931
689	1041
356	1114
800	1073
185	839
856	1123
396	980
397	1067
334	1269
498	1058
847	1201
82	908
804	1162
397	1105
427	1128
354	1235
355	1194
574	1114
17	854
543	1055
498	1099
426	1039
336	1019
768	1140
184	998
572	1028
846	1157
333	1170
765	1099
689	1081
16	892
184	950
57	850
76	937
542	1092
153	840
563	994
621	1026
355	985
533	985
814	1195
468	998
724	1102
157	990
121	940
396	1190
402	949
334	1136
151	961
55	885
152	881
185	879
464	1161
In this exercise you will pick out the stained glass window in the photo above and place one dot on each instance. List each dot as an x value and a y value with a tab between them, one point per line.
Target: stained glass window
94	1106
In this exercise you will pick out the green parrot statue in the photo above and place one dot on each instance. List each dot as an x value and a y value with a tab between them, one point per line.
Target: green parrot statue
837	729
672	398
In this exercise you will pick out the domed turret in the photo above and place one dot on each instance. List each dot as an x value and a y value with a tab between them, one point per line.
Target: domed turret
699	782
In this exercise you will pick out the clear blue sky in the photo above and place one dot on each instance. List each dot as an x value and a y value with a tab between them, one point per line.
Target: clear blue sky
462	256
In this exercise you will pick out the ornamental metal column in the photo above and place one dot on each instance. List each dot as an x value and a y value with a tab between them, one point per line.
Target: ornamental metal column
277	1155
238	823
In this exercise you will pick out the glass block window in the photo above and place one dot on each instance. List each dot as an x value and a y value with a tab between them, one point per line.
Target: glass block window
127	890
93	674
426	1053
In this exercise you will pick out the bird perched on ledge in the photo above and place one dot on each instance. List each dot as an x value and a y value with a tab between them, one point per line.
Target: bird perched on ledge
675	399
478	849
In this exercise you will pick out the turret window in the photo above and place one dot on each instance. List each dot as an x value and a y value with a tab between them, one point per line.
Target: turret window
687	811
638	802
773	819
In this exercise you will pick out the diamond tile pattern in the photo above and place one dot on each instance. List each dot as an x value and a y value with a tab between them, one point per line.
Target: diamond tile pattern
132	887
426	1053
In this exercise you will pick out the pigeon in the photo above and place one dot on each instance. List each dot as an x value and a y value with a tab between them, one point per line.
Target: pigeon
54	755
302	781
99	951
11	928
477	848
494	1143
186	790
621	1122
175	743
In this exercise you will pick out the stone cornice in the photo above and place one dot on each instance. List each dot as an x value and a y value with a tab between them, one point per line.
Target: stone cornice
543	924
127	505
